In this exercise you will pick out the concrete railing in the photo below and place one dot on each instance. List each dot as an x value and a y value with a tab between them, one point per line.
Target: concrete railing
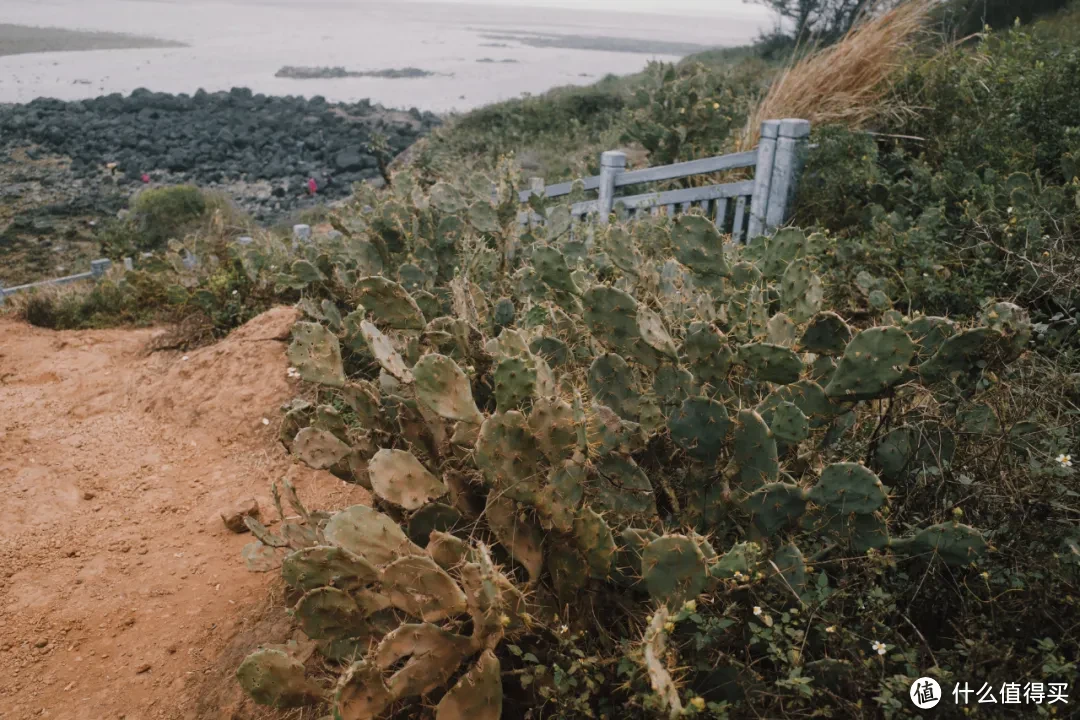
760	205
98	268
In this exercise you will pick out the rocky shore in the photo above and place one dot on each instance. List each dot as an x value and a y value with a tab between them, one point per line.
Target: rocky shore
215	138
66	165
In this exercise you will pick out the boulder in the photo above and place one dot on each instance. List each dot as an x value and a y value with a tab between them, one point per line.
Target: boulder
351	160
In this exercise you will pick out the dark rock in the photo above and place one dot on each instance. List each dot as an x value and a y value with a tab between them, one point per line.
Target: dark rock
351	161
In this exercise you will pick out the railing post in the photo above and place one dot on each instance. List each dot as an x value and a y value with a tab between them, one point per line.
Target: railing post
99	267
790	155
766	157
612	163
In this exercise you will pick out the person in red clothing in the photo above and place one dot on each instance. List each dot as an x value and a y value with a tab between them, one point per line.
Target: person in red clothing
312	186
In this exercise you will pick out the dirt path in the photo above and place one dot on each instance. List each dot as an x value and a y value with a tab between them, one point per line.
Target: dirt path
122	595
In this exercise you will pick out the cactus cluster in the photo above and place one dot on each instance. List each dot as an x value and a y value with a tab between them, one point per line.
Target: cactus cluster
646	413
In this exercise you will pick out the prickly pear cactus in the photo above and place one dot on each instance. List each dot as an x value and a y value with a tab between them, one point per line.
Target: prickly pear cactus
618	419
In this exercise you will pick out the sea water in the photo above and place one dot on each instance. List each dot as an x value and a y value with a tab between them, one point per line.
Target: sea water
243	43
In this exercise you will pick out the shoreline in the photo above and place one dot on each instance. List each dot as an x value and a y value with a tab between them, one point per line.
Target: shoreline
30	39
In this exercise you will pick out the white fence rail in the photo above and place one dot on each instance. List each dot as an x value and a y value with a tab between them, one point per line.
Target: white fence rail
760	205
98	268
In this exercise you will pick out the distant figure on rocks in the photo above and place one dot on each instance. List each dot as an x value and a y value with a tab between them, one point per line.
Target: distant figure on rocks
145	178
312	186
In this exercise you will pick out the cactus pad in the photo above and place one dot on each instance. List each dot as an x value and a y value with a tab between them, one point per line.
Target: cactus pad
612	317
399	478
674	570
478	694
445	389
700	427
788	424
874	361
515	382
561	498
780	330
622	488
848	488
827	334
510	456
708	353
419	587
766	362
960	353
954	543
755	451
325	613
324	565
384	352
519	535
653	332
316	354
801	291
361	693
775	506
699	246
390	304
274	678
612	383
594	541
434	655
792	567
369	534
554	427
551	267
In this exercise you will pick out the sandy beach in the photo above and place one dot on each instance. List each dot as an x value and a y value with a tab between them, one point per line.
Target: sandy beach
477	54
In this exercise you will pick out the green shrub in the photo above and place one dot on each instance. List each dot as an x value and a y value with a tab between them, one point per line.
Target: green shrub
161	214
978	199
687	111
965	17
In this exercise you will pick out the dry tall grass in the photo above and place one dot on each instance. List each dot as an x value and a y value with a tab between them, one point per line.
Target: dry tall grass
849	82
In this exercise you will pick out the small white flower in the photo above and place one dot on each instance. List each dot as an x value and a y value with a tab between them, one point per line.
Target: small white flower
234	292
292	373
564	629
1064	460
1010	211
831	629
266	421
878	647
757	610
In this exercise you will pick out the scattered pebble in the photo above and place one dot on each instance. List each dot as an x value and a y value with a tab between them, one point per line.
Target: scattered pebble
145	667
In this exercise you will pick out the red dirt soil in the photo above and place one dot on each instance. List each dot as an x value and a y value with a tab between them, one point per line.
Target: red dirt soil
122	594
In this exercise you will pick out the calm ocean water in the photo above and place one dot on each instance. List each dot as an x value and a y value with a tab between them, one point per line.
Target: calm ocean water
244	42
